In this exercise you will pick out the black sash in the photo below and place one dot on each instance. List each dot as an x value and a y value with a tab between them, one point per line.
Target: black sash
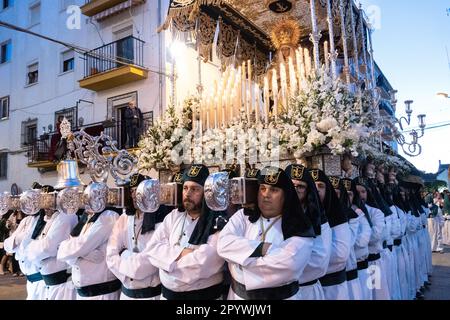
362	265
397	242
333	279
211	293
34	277
99	289
56	278
310	283
374	257
277	293
143	293
352	275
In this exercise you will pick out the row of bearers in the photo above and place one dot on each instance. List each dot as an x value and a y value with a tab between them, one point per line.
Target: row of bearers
309	236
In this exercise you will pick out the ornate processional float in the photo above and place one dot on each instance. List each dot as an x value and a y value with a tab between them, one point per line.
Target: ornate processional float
297	85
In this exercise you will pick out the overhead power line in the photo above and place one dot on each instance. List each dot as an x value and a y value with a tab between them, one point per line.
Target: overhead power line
76	48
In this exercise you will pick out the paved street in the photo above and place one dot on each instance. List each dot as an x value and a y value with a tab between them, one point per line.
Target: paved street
13	288
440	281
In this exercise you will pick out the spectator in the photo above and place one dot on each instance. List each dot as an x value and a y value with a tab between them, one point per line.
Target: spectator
134	122
12	223
4	233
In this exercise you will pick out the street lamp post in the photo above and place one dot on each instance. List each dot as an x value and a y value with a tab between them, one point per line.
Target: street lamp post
411	148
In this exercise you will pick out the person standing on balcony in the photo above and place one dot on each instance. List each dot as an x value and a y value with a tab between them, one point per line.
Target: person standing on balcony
134	122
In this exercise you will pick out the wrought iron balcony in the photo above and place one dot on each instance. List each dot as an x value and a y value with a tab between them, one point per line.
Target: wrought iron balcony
42	151
114	64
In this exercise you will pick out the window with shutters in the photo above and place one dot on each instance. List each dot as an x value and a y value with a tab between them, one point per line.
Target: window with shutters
29	132
3	165
33	73
67	61
4	108
5	51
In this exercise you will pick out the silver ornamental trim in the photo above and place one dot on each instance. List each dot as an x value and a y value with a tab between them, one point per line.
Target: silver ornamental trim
29	202
95	197
103	158
217	191
5	202
148	195
68	200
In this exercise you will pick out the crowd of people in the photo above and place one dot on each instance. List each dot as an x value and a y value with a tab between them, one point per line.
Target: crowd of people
308	236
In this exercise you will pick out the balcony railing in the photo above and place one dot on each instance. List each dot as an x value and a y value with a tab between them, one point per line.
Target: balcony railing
129	50
42	151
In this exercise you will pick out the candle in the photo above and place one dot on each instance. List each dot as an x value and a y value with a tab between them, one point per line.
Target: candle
216	102
292	78
283	81
326	53
266	99
244	86
299	68
275	92
250	90
207	106
257	103
308	62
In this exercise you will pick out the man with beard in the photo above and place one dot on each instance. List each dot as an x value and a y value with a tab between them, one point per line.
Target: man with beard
334	283
18	242
267	247
310	287
51	230
379	286
124	253
85	251
184	245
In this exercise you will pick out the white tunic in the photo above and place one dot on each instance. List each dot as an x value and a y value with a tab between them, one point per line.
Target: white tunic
362	252
42	251
283	263
199	269
17	243
354	286
317	265
340	251
380	288
87	255
133	269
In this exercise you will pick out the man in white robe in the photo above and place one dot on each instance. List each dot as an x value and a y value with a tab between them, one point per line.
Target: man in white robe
42	251
378	281
310	287
268	246
85	251
334	283
17	243
124	253
183	247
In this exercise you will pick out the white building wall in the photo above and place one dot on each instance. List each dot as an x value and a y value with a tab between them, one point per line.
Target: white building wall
56	91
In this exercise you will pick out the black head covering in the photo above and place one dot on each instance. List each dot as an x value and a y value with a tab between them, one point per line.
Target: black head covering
251	173
333	209
134	182
150	218
196	173
396	197
294	222
46	188
82	221
136	179
357	201
314	209
40	224
374	198
344	186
